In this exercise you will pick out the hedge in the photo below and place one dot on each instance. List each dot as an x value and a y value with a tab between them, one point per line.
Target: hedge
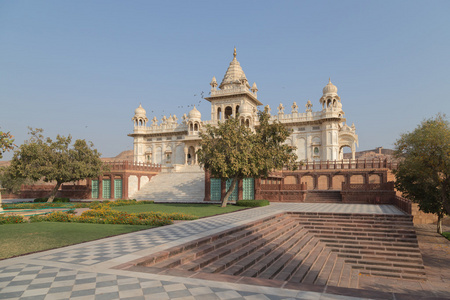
56	199
252	203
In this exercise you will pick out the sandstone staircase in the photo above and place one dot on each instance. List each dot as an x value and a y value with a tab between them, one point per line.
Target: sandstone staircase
310	248
324	196
185	185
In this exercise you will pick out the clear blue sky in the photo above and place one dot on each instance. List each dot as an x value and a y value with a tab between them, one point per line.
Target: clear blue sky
82	67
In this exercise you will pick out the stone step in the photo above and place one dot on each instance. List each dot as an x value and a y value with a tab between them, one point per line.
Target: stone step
201	247
277	259
324	196
239	248
239	261
334	249
297	253
307	263
174	187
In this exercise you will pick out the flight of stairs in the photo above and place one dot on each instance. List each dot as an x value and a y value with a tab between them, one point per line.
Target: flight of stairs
323	197
310	248
186	185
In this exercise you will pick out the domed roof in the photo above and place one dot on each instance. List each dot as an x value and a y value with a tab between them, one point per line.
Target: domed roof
140	111
234	74
194	114
329	88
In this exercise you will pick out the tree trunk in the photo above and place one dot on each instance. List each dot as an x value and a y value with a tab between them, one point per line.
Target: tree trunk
54	191
228	193
439	223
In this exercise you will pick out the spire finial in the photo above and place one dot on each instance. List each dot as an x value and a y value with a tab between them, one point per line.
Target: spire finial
234	54
329	79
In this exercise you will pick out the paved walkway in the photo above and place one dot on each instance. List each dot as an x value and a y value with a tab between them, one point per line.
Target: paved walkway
86	271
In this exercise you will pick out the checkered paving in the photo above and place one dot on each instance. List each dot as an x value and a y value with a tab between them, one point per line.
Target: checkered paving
76	272
42	282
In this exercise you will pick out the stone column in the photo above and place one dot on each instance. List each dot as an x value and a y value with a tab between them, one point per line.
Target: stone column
100	187
196	156
330	181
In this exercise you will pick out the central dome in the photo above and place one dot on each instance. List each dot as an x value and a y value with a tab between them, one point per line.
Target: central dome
234	75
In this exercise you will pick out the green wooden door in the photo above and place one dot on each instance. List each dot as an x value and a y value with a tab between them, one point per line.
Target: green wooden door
234	194
216	189
248	185
106	183
117	188
94	193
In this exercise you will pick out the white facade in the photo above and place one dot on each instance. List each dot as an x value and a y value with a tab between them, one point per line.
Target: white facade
319	135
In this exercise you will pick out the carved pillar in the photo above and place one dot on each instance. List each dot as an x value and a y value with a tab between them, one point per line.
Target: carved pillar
315	181
240	189
330	181
186	152
100	187
125	186
196	155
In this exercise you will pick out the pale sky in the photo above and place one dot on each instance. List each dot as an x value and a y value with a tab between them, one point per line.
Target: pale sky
83	67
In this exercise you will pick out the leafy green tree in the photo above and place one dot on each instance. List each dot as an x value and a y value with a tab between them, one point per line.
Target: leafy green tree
233	151
423	174
53	161
6	142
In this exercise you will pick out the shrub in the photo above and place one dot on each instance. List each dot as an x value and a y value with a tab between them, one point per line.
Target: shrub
252	203
170	216
56	200
59	216
11	219
36	218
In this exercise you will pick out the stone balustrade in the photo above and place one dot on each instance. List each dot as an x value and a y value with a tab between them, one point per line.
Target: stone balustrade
134	166
348	164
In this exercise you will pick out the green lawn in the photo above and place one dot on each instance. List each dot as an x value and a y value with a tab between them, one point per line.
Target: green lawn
17	239
199	210
446	235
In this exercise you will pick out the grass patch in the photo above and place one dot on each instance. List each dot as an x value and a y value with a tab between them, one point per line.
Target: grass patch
18	239
199	210
446	235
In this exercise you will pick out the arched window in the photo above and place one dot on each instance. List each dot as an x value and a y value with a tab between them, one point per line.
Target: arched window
228	112
219	113
195	127
247	123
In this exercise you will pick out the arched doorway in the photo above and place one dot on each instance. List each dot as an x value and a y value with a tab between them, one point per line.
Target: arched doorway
191	156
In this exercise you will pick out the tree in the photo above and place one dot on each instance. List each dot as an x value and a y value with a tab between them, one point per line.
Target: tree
423	174
53	161
233	151
6	142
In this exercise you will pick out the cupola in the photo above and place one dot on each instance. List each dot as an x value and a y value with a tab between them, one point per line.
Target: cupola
329	89
140	111
194	114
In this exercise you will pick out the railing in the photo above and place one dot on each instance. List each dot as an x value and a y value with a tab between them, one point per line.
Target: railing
403	204
388	186
135	166
346	164
283	187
